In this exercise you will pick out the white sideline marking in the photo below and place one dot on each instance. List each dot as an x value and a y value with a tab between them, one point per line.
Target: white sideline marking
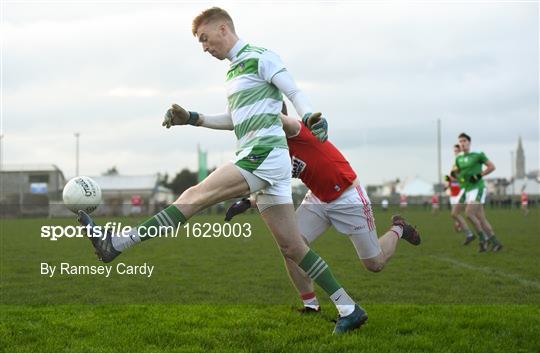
489	271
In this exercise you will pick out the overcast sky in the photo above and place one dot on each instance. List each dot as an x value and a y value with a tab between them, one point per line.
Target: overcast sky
382	73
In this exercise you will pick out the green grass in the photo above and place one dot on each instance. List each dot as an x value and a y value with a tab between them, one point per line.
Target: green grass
232	294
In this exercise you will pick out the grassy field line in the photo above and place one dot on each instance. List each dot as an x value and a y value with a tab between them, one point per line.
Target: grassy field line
489	271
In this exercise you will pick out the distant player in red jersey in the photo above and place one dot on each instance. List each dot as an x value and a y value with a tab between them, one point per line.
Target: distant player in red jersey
403	201
335	197
434	204
525	203
454	188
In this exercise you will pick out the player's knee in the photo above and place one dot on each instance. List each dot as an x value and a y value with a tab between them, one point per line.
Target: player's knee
188	196
292	251
373	266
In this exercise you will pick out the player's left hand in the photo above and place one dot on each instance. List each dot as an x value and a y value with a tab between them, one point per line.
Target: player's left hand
475	178
317	124
177	115
237	208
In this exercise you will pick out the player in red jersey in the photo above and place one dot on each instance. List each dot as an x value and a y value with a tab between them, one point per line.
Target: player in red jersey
525	203
457	208
434	204
335	197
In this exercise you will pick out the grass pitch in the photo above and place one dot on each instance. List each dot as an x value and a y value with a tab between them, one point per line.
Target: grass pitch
217	294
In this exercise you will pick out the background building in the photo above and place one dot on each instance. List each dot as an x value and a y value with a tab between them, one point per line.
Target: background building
29	189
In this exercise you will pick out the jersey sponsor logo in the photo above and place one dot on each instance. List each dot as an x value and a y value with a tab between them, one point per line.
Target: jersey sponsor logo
298	166
337	188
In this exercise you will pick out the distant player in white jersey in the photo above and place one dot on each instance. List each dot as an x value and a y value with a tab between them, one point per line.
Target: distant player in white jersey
255	81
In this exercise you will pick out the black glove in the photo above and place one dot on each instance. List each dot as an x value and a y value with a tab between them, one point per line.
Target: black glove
237	208
475	178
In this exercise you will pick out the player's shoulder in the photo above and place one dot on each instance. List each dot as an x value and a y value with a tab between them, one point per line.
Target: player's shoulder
477	153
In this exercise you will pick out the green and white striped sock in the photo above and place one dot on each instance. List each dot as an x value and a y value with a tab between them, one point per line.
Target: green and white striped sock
171	218
317	269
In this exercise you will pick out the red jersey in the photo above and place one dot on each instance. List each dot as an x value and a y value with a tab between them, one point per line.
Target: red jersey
435	199
136	200
454	188
524	198
322	168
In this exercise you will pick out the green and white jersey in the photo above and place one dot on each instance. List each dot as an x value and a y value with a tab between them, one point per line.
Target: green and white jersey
470	164
254	102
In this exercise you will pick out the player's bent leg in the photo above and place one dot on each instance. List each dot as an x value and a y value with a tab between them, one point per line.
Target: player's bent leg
375	264
281	220
370	251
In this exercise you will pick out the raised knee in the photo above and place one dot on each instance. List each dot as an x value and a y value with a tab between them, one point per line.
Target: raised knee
375	267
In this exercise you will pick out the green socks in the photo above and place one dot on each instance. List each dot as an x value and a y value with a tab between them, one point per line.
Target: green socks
318	270
170	217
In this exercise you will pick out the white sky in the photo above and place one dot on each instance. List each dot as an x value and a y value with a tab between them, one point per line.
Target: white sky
382	73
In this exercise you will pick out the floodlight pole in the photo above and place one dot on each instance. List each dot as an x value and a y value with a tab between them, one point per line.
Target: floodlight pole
77	153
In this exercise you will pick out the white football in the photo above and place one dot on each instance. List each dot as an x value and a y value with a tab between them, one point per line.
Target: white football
82	193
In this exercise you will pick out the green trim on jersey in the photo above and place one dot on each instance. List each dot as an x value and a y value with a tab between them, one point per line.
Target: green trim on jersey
251	95
257	122
252	48
255	158
249	66
242	50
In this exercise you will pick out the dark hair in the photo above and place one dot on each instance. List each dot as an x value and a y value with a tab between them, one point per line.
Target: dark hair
209	15
457	146
284	109
463	135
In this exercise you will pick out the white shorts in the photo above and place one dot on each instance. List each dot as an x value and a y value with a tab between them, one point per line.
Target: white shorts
474	196
350	214
269	174
454	200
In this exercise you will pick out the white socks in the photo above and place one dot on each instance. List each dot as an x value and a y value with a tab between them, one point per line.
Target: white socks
343	302
120	242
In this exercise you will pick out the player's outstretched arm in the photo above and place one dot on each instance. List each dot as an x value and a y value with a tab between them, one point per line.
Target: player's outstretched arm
177	115
222	121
